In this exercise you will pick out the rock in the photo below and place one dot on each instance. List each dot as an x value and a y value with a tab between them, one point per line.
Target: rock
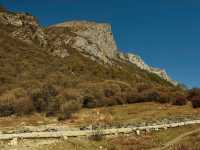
25	27
165	128
93	40
137	60
137	132
14	142
65	138
147	130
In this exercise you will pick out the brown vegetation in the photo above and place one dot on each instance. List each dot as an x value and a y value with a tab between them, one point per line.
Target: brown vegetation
50	84
196	101
180	100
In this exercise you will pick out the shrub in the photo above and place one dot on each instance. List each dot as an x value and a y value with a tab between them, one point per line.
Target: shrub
109	92
182	147
187	147
180	101
143	86
196	102
112	147
69	94
89	102
133	98
6	110
164	98
110	101
60	79
23	105
96	135
44	98
38	99
149	95
15	101
193	93
68	108
53	106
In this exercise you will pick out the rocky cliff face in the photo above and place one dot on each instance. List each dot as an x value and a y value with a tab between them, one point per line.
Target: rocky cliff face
138	61
24	27
89	38
94	40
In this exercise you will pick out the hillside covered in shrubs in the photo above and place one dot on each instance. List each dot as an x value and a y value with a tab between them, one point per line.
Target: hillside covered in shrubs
33	80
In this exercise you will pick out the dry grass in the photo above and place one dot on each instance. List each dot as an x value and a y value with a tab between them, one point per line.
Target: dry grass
133	113
31	120
131	142
188	143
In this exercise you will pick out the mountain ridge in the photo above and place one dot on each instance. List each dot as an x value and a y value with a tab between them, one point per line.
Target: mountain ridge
59	70
93	40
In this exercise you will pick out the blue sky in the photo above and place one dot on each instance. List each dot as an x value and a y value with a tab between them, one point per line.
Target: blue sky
166	33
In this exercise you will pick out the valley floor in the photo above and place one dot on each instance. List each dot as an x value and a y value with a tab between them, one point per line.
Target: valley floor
131	114
163	139
135	114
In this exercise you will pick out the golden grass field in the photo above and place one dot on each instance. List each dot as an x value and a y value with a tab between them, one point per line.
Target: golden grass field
123	142
131	113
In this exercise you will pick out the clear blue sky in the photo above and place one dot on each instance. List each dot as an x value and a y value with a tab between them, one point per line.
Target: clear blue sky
166	33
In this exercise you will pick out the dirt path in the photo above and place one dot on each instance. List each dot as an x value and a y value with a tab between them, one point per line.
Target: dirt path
61	131
176	140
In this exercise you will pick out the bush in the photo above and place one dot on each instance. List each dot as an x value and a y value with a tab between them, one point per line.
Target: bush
68	108
23	106
6	110
96	135
15	101
53	106
44	98
196	102
69	94
143	86
180	101
112	147
89	102
133	98
193	93
165	98
149	96
38	99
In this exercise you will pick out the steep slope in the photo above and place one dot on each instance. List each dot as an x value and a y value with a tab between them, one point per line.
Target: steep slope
63	65
87	37
93	40
97	40
137	60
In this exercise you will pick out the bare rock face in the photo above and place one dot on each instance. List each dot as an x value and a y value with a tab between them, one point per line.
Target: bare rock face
139	62
89	38
25	27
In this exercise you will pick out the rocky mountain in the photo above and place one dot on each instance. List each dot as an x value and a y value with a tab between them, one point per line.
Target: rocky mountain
137	60
64	67
93	40
87	37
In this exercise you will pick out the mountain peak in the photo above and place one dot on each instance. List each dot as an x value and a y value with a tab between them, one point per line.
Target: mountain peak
91	39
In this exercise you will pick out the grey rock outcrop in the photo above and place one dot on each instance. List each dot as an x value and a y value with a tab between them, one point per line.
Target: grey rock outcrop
25	27
139	62
93	39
